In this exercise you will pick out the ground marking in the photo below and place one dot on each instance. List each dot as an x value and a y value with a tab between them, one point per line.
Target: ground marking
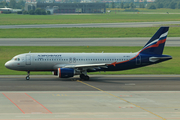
121	99
14	103
39	103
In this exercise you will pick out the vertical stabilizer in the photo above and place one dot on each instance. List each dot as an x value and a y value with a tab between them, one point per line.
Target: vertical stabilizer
156	44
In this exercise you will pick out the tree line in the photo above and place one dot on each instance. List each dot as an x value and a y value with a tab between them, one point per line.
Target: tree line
173	4
38	11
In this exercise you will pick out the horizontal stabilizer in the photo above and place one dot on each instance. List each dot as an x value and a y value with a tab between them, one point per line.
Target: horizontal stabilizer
155	59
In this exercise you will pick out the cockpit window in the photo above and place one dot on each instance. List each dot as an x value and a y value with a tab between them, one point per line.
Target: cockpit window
17	59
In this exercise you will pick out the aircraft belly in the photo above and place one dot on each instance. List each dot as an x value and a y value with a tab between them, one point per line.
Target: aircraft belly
40	67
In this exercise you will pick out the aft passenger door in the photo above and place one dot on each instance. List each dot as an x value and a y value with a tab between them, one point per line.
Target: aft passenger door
138	60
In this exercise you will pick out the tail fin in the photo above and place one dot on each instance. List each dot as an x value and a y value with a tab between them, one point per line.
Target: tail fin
156	44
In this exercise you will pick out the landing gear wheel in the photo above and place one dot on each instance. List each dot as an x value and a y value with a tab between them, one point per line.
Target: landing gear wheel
84	77
27	78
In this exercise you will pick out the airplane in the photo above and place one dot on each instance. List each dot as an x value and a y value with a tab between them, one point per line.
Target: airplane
66	65
6	9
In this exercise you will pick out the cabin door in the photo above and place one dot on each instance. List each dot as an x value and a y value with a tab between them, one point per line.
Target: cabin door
138	60
28	60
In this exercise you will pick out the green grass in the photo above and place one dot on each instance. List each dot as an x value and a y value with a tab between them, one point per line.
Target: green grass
162	10
14	19
168	67
84	32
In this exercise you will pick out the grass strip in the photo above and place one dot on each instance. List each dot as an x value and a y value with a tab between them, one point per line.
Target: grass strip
84	32
168	67
14	19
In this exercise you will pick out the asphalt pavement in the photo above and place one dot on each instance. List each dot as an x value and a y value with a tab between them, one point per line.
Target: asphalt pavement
134	41
114	25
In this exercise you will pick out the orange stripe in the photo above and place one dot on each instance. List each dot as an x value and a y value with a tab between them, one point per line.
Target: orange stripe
156	45
14	103
59	72
124	61
39	103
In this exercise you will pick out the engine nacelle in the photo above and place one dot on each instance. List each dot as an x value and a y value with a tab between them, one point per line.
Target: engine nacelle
65	72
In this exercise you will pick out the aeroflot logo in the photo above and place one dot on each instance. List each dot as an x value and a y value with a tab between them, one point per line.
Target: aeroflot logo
155	43
49	55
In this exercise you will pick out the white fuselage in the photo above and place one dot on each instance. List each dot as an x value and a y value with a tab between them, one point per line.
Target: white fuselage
52	61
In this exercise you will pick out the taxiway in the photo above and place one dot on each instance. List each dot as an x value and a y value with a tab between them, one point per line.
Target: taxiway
110	97
104	82
114	25
171	41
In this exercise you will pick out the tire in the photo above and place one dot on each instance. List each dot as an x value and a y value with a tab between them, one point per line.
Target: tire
27	78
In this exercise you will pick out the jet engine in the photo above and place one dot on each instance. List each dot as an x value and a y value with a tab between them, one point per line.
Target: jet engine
65	72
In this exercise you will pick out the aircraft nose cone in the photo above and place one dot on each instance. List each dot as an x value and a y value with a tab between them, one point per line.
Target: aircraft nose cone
8	65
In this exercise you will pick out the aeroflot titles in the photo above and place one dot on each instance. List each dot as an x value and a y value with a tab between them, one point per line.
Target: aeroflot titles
59	56
49	55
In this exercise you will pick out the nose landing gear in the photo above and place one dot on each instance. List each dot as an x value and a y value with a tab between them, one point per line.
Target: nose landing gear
28	74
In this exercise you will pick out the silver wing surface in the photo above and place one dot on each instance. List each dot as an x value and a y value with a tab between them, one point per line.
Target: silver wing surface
83	66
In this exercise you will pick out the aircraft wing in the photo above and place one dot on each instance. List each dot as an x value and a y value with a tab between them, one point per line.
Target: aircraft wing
86	66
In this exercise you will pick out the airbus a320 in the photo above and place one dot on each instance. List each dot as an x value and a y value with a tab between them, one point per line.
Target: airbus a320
66	65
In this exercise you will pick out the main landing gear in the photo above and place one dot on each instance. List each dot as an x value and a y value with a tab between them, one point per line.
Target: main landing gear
84	77
27	77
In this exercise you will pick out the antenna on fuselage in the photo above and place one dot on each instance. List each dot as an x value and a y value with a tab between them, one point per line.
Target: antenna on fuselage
29	51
